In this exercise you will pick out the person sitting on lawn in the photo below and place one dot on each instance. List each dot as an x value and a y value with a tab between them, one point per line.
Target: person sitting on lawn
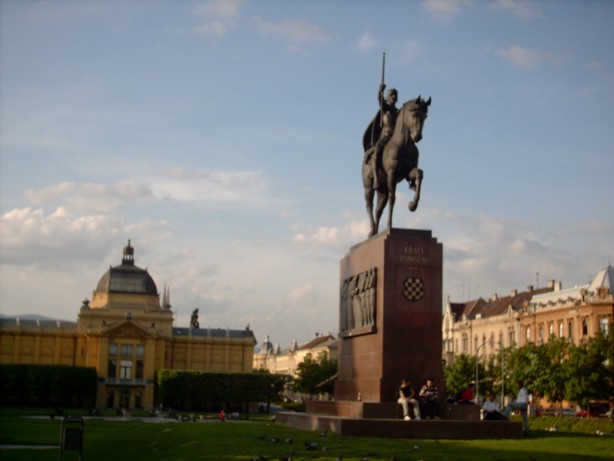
490	409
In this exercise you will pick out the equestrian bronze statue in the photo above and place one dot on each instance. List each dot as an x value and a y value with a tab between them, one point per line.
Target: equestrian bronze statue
391	154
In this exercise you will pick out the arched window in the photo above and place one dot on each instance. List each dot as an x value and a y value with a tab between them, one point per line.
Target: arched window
604	325
138	399
111	399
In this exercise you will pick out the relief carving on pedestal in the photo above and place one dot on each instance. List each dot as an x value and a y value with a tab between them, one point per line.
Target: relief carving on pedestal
358	300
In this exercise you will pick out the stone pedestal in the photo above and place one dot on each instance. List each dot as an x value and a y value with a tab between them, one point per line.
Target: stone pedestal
390	329
390	316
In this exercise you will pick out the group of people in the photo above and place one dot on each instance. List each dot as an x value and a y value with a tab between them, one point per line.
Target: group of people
492	412
427	404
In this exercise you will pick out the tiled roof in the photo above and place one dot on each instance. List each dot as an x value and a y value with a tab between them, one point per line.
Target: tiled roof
605	278
498	305
213	332
554	296
317	342
32	322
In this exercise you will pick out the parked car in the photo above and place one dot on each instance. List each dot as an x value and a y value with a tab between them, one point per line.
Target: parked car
596	410
568	412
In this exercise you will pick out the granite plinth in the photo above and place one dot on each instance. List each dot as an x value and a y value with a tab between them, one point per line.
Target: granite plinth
400	335
398	428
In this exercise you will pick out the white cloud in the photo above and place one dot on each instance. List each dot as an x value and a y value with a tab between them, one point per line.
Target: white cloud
213	188
525	57
331	237
90	197
213	28
221	17
366	42
522	9
31	236
201	187
296	31
444	9
220	8
301	294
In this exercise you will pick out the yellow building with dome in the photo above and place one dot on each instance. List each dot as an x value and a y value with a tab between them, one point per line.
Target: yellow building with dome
126	333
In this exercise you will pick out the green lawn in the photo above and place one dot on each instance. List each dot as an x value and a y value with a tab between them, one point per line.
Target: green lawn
245	440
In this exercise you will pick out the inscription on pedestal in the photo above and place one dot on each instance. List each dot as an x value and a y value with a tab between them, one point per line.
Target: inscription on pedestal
413	255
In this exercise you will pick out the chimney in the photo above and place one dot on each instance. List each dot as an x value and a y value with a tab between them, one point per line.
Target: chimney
514	292
530	288
494	297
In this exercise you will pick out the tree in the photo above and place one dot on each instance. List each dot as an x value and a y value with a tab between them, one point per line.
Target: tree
526	365
460	373
314	375
555	369
590	371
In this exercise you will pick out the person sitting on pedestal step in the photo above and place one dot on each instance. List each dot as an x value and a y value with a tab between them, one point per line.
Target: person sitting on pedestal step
429	400
406	397
466	395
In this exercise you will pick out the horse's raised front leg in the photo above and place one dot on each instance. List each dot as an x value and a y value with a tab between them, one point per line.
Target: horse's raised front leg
415	183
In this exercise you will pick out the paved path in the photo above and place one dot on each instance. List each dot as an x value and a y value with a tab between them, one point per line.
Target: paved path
29	447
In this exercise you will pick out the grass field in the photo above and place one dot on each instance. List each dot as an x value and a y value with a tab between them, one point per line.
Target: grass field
137	440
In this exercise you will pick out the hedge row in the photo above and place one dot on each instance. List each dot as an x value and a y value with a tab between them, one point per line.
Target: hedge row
193	390
47	385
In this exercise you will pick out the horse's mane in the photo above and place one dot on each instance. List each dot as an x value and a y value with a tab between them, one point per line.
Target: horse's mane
415	104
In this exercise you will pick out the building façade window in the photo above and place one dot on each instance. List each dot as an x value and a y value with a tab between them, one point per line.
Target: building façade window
126	361
604	325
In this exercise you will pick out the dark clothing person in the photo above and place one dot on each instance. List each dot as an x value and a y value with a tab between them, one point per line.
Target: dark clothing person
429	403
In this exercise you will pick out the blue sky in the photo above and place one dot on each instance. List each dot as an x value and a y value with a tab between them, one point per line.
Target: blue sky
224	139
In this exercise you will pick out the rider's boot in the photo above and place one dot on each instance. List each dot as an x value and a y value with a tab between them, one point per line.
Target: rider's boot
375	179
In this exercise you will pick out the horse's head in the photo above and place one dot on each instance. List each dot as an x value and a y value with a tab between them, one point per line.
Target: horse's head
414	114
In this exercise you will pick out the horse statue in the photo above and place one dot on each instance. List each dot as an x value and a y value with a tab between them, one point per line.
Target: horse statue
399	160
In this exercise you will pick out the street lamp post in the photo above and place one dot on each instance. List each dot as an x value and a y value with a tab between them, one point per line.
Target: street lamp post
477	381
502	373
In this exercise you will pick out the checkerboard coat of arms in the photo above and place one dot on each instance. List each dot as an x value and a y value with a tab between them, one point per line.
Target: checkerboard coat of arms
413	288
